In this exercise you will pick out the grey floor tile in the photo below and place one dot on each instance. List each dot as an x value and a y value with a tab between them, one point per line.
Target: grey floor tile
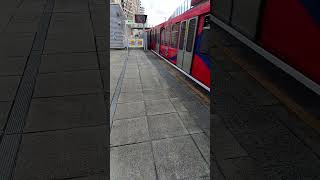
190	122
159	107
130	110
155	94
66	112
224	143
9	86
77	42
4	113
178	158
132	162
101	43
62	154
166	125
178	105
243	168
130	97
131	87
70	6
12	65
68	83
16	44
69	23
68	62
203	143
129	131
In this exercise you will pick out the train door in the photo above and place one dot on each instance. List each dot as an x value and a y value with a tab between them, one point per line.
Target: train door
158	41
182	33
189	44
187	37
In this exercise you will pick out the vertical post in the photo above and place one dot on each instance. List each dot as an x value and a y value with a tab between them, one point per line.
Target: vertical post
126	34
144	37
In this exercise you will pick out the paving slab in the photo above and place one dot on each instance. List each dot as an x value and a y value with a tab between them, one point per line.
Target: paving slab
68	83
162	106
71	6
9	86
130	110
76	42
131	87
4	112
178	104
129	131
165	126
134	162
68	23
130	97
62	154
16	44
203	143
179	158
155	94
12	66
242	168
189	122
68	62
66	112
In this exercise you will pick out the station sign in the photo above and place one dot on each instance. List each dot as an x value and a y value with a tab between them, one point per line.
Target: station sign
140	18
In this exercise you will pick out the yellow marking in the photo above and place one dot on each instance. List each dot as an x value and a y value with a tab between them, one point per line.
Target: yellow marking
277	92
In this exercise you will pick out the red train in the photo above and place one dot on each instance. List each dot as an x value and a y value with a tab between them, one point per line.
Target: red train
178	41
286	32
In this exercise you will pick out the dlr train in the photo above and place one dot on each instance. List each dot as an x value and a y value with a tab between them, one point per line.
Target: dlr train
286	33
178	40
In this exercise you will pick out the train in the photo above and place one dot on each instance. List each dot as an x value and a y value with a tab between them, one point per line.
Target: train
178	40
285	32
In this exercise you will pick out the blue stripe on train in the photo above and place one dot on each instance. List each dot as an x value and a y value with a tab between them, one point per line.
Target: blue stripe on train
206	59
313	7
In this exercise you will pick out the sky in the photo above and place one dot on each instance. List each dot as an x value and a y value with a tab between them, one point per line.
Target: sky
158	10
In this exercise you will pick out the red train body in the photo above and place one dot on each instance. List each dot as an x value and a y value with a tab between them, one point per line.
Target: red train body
178	41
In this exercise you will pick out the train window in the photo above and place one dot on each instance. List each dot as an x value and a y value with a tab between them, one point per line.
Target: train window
162	33
174	35
182	34
191	33
167	36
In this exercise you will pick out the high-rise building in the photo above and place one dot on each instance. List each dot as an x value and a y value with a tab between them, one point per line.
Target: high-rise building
130	7
141	10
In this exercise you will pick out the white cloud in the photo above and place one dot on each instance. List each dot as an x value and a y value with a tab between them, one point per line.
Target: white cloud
158	10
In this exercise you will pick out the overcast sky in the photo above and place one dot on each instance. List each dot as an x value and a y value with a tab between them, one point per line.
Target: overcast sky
158	10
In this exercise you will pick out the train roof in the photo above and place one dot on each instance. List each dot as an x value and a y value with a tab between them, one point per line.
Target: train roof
195	11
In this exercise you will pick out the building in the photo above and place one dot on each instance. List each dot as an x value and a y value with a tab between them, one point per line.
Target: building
142	10
130	8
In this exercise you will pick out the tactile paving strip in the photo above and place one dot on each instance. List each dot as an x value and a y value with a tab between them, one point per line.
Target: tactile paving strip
12	134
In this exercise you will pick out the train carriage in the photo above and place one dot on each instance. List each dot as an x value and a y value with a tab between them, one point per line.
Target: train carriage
178	41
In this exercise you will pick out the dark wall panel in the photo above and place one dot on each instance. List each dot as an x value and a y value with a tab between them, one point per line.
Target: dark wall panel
245	16
222	9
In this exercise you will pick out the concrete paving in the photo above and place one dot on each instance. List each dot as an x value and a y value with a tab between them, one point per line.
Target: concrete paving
53	105
155	134
256	134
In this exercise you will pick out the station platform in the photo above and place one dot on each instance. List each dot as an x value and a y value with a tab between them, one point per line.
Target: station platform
265	123
53	110
160	127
